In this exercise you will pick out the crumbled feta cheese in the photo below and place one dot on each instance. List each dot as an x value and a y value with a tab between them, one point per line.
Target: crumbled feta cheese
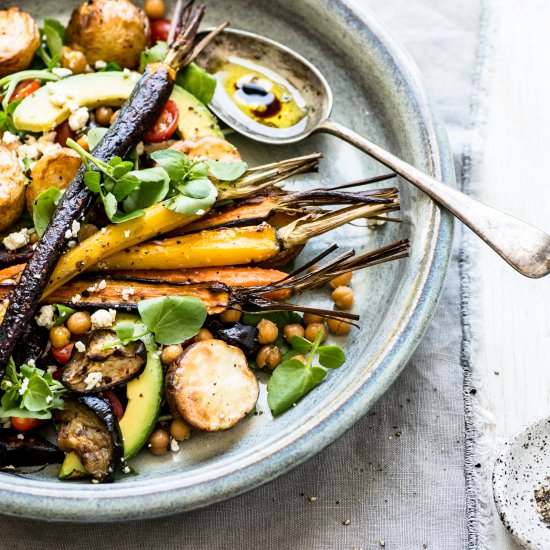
103	318
45	317
126	72
31	363
103	229
140	148
61	72
127	234
28	151
127	292
68	234
200	212
46	144
8	138
95	481
24	386
52	368
174	446
71	244
93	380
76	298
79	346
79	118
17	239
57	94
73	106
102	284
20	436
100	64
49	399
75	227
126	470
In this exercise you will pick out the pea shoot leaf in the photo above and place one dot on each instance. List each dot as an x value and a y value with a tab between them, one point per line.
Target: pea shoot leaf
152	186
189	205
290	381
29	392
95	135
172	319
92	180
175	163
331	357
197	82
44	207
226	171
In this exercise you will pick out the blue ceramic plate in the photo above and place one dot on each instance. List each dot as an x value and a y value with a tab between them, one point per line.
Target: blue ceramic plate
378	92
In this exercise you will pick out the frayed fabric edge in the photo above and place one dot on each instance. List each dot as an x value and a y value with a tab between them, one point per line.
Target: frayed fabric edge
478	450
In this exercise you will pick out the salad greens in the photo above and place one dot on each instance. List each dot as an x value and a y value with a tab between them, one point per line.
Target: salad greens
29	393
293	379
171	320
52	38
193	78
44	207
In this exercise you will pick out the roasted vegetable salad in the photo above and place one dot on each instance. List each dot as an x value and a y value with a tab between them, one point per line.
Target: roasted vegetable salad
145	278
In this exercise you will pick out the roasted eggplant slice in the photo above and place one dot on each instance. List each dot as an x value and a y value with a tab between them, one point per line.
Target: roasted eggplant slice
236	334
98	368
210	386
89	427
32	450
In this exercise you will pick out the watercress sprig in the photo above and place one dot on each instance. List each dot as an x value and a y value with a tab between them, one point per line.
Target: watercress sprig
293	379
170	319
29	392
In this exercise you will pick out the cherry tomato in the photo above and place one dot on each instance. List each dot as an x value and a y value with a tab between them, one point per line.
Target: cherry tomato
165	125
25	424
61	355
24	88
62	133
159	30
118	409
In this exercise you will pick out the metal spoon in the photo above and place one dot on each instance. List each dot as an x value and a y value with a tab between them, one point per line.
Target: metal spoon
524	247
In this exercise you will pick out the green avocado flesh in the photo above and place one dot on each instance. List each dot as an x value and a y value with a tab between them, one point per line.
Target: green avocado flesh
37	113
142	410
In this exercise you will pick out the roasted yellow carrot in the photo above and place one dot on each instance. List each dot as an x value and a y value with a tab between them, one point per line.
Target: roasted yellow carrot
156	220
235	245
229	246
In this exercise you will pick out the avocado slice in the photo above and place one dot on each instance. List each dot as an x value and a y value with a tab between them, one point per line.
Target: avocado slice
144	401
37	113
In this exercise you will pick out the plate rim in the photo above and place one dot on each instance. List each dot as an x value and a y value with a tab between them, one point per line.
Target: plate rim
149	499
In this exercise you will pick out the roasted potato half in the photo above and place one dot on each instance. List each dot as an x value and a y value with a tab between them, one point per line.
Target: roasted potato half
211	386
19	40
12	188
109	30
54	170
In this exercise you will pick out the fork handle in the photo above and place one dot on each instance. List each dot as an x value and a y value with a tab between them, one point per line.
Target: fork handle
523	246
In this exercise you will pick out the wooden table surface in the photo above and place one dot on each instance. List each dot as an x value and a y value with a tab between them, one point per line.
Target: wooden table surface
512	332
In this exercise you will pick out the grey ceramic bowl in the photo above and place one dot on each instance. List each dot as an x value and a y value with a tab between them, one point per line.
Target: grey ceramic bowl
378	92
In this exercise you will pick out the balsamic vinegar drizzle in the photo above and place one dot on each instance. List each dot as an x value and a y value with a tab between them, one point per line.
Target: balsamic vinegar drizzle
260	94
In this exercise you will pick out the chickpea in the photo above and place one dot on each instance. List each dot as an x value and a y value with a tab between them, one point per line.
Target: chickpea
300	357
60	336
267	331
103	115
33	237
155	9
113	116
269	356
341	280
338	326
86	230
231	315
170	353
203	334
314	329
83	142
343	297
79	322
179	430
73	60
159	441
293	330
310	318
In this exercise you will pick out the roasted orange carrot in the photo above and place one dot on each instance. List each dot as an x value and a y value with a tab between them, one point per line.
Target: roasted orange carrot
235	245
